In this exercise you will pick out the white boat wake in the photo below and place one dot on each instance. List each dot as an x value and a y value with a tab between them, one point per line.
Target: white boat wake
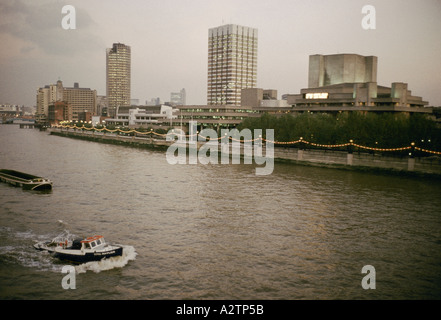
129	254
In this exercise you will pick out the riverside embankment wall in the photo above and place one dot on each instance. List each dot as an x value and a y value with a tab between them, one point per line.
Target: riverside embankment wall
375	161
424	166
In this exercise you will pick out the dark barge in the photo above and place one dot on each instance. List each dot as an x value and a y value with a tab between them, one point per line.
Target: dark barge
25	180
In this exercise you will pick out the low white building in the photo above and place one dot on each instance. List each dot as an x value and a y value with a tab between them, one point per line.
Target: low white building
274	104
143	116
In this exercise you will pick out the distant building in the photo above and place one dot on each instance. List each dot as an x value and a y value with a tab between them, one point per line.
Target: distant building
46	96
118	75
8	111
178	98
232	63
78	99
264	100
213	116
9	108
348	82
85	117
59	111
143	116
255	102
28	111
101	105
154	102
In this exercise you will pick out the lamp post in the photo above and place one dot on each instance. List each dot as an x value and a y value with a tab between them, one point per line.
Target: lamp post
350	149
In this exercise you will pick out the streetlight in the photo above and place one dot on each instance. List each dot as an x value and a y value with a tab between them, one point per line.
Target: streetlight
412	149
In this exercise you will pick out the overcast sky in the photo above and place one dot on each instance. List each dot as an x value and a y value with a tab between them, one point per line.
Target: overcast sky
169	41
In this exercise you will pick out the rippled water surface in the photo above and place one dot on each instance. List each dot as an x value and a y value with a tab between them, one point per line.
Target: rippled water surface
215	231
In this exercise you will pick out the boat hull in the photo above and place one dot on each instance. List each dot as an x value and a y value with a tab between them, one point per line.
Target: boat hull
88	256
25	181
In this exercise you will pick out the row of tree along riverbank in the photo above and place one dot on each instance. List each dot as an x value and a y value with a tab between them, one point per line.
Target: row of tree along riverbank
376	131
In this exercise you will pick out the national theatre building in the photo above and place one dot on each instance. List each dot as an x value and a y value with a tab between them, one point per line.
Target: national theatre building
348	82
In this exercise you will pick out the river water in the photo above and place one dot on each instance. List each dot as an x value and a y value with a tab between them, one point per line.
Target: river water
213	231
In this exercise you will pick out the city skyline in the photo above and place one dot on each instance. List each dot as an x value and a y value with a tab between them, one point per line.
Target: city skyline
169	43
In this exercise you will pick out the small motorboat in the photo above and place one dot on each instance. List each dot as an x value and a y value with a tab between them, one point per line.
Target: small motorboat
25	180
81	250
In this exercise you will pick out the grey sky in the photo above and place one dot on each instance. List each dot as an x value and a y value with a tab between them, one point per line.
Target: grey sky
169	40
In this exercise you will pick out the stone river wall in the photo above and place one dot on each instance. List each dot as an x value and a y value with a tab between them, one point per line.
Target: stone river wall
429	166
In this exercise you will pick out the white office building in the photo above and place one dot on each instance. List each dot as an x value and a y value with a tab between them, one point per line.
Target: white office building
232	63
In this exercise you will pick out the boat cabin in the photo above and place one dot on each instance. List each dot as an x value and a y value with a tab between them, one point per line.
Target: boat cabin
91	242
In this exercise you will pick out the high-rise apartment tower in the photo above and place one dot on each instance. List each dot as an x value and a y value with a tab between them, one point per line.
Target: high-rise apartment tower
118	66
232	63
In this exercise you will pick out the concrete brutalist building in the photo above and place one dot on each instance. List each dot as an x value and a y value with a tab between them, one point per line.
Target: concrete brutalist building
348	82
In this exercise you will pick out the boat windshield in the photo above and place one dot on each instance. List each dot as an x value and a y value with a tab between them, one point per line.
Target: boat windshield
93	242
